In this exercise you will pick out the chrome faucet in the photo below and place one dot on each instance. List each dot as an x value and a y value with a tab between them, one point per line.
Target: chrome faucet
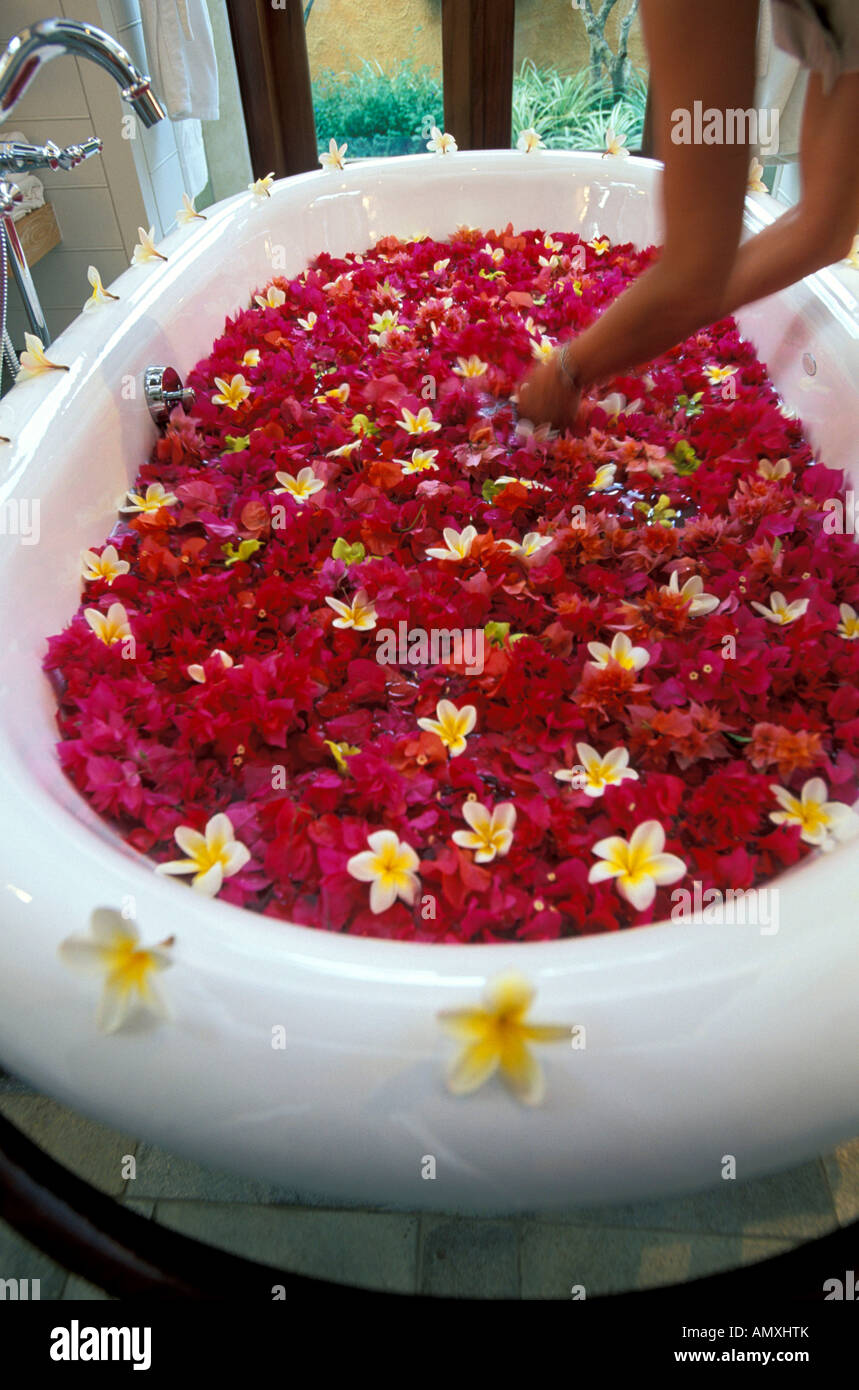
19	63
27	51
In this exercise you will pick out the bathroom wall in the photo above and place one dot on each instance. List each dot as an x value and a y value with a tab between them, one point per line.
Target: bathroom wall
135	181
98	205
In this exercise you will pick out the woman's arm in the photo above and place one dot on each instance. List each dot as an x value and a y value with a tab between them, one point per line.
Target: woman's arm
704	52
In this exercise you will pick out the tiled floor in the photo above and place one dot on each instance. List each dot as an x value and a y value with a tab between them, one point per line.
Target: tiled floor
605	1249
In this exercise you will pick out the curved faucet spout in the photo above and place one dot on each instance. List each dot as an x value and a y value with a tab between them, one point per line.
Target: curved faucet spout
50	38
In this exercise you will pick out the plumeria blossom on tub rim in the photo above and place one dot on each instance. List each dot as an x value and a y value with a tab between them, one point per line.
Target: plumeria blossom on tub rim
212	856
530	140
491	833
496	1038
389	866
188	212
332	158
144	252
622	651
440	142
639	864
822	823
615	144
33	360
261	186
452	725
99	294
113	950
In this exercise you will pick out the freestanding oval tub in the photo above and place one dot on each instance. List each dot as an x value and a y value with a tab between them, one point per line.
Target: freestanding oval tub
701	1040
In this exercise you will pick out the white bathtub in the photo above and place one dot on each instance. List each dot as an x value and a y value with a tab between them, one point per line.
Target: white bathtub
701	1041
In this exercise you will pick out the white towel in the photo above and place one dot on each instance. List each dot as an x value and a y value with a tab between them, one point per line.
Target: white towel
180	52
32	188
781	86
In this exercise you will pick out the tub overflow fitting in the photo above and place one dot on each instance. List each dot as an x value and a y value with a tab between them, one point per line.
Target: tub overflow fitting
163	389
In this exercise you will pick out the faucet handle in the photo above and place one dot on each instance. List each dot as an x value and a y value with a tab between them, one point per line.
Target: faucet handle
73	155
10	194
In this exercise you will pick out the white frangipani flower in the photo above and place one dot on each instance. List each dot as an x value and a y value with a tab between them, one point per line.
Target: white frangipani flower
544	351
112	626
848	628
780	611
99	294
151	501
261	186
530	545
422	423
113	950
497	1038
440	142
212	856
301	485
595	772
530	140
457	544
33	360
615	144
692	593
639	864
421	461
232	393
604	477
469	367
774	472
144	251
333	156
188	213
491	833
360	614
822	823
622	651
106	566
452	725
197	672
273	298
389	866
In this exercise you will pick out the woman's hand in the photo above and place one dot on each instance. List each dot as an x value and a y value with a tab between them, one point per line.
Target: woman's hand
549	395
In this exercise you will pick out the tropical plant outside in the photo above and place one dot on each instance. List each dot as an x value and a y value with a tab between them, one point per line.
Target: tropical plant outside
385	112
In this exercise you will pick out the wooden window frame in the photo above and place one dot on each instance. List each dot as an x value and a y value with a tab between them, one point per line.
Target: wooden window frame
273	68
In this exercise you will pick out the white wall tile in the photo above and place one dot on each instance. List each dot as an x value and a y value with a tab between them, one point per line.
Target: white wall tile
169	185
86	219
61	277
